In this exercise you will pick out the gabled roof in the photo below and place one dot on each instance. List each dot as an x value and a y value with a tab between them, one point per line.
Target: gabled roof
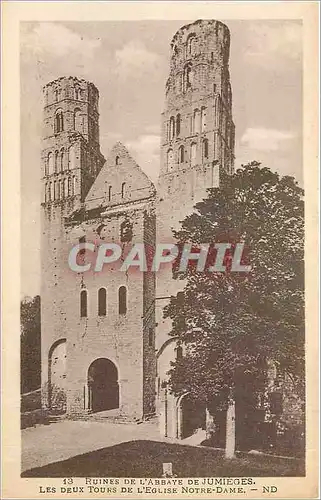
120	181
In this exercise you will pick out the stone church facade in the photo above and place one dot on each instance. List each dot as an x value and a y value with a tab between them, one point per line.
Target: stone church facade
105	344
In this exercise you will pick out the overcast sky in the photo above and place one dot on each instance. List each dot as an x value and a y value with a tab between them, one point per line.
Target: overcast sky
129	63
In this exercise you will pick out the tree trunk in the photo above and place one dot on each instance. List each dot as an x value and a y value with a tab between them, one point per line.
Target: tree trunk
230	430
210	425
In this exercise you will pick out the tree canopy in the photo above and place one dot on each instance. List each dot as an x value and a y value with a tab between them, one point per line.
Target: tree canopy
30	341
232	322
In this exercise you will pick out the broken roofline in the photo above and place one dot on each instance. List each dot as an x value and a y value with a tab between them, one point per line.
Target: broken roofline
145	258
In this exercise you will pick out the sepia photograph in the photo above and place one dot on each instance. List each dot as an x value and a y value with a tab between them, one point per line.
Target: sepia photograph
163	269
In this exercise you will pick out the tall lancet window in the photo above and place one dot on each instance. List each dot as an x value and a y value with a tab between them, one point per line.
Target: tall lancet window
62	160
59	122
205	149
78	120
187	78
57	163
102	302
203	119
83	304
191	45
66	187
72	157
181	154
171	128
196	121
178	124
51	163
122	300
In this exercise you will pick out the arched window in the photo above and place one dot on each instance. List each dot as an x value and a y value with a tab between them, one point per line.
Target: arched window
56	191
57	162
109	193
196	121
179	352
193	153
62	160
187	78
76	93
72	157
117	160
123	189
102	302
66	187
178	124
83	304
122	300
62	189
170	160
78	120
205	148
171	128
191	45
59	122
181	154
69	187
51	191
51	163
203	119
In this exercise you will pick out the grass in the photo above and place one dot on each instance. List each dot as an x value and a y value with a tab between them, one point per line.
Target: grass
145	459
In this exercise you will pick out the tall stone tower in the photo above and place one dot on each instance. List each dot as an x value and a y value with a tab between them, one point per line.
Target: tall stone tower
71	156
197	138
197	126
71	160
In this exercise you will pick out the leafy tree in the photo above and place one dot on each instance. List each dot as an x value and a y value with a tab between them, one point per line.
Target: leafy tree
30	344
233	322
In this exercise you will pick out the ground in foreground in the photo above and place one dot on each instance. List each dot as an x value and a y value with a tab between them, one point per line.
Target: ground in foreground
145	458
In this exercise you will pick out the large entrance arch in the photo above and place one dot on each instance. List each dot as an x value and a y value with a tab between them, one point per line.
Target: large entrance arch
103	388
191	416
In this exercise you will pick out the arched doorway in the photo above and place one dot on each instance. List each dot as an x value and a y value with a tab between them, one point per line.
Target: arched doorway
57	371
191	416
103	388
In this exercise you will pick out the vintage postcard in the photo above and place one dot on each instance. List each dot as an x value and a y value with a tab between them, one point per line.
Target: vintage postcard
160	250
